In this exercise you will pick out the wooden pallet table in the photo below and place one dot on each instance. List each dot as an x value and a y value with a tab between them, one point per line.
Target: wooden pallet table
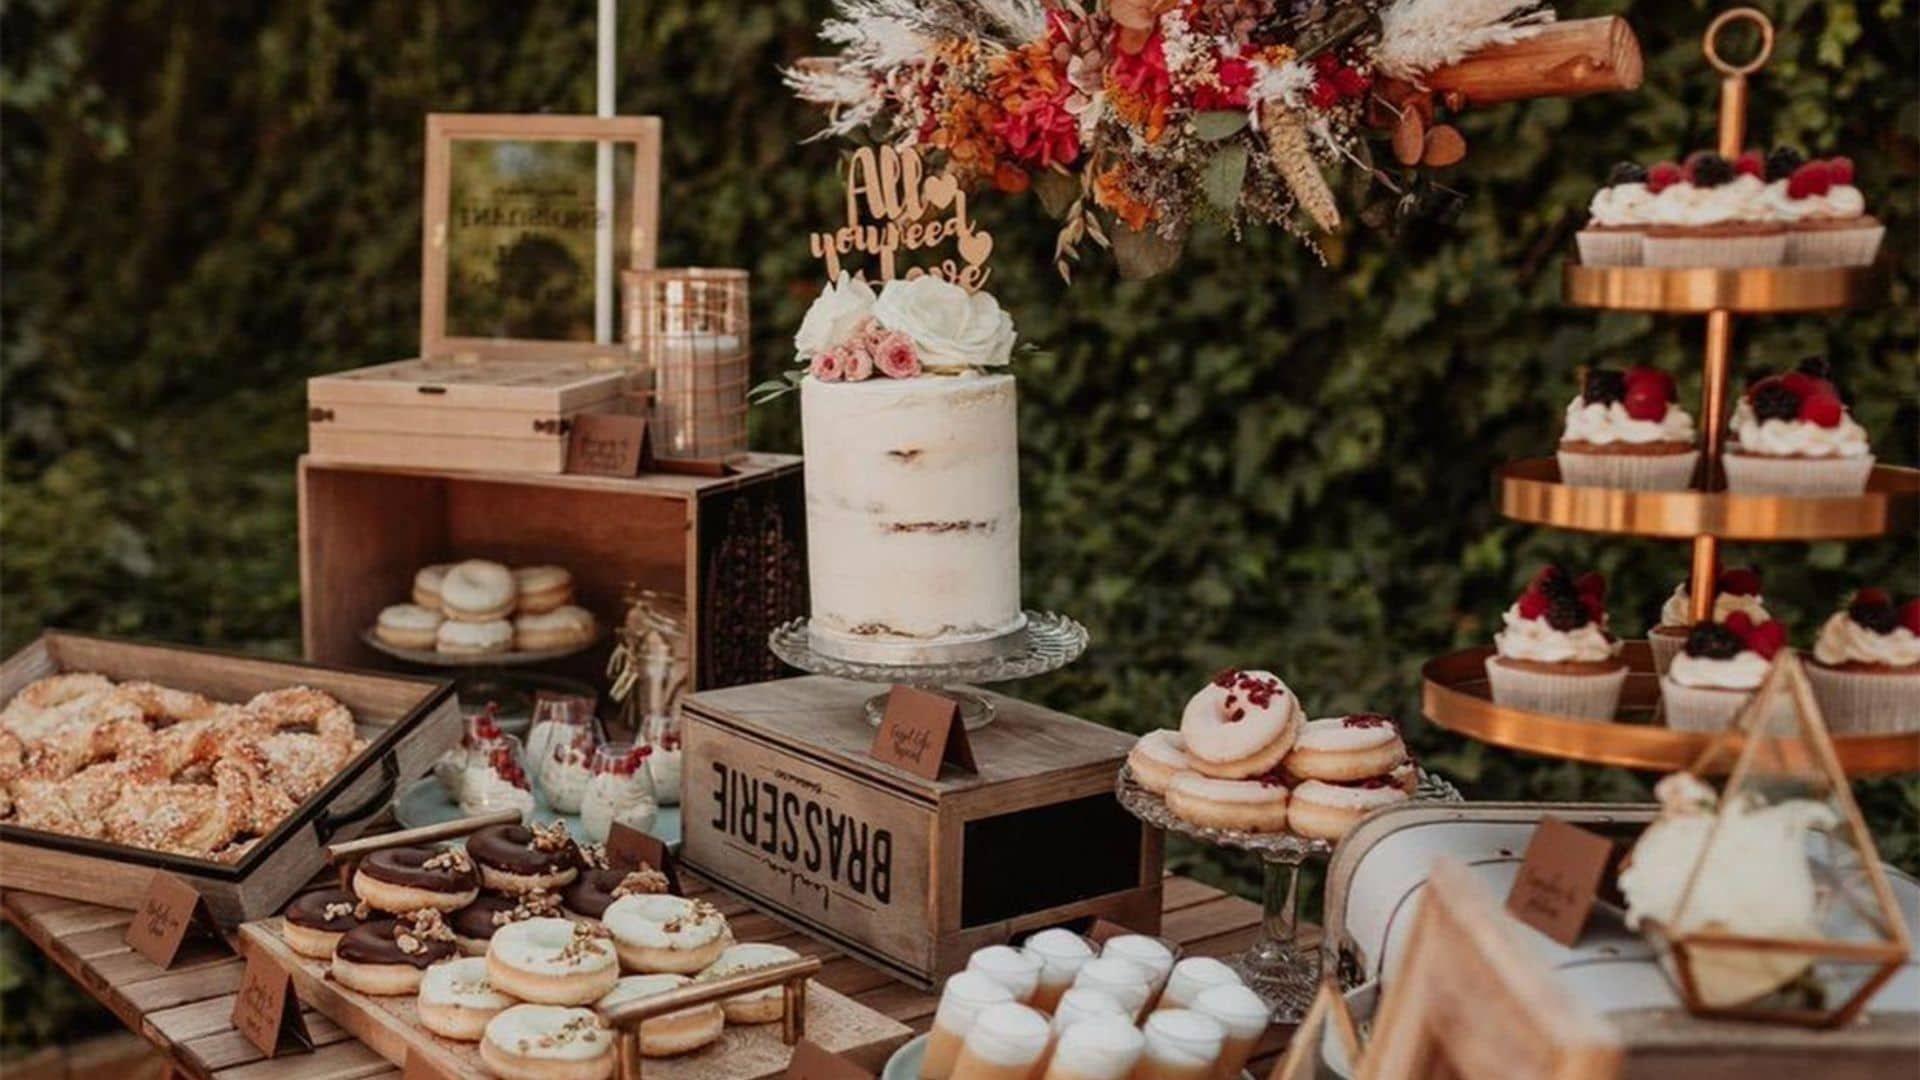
184	1011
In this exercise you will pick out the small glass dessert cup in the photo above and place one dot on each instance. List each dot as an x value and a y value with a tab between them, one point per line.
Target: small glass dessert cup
663	738
567	770
496	779
621	790
557	718
482	732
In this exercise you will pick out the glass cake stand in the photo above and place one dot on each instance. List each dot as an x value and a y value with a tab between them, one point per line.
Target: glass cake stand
1048	643
1285	975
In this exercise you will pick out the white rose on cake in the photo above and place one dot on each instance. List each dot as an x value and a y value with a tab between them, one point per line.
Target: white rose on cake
949	327
835	317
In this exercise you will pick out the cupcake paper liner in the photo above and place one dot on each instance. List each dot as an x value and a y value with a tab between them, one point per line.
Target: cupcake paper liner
1635	472
1834	247
1754	474
1686	251
1609	247
1581	697
1665	647
1707	709
1866	702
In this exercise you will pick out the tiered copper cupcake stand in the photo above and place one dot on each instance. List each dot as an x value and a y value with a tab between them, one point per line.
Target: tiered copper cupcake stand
1456	696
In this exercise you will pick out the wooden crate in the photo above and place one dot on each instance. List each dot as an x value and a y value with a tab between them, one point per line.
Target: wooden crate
509	414
782	803
733	545
391	1027
408	722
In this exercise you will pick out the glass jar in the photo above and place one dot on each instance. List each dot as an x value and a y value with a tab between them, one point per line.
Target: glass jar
495	778
557	718
621	790
567	769
653	678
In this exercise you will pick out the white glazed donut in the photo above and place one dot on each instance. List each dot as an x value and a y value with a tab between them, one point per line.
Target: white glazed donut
408	626
474	638
1244	805
561	628
758	1006
656	933
1344	748
478	591
542	588
675	1033
1326	811
457	1001
552	961
1240	725
547	1042
426	585
1156	757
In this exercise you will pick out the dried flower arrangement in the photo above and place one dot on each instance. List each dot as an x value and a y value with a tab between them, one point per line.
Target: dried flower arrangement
1130	119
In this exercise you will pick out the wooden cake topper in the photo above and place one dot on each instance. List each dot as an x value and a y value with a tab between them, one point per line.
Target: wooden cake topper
893	207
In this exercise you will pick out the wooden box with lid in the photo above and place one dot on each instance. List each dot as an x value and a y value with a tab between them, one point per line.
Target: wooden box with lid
783	804
732	545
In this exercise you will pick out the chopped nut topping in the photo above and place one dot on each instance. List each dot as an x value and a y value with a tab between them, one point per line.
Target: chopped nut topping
551	837
644	880
454	859
429	926
594	856
538	904
338	910
407	943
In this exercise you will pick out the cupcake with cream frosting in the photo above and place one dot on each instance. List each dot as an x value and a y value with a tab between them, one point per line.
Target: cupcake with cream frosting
1793	435
1717	670
1617	218
1865	668
1709	211
1554	654
1625	430
1825	214
1736	589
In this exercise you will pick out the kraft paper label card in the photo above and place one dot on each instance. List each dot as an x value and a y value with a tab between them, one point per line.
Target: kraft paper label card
606	444
1560	879
266	1010
629	847
922	731
812	1062
164	918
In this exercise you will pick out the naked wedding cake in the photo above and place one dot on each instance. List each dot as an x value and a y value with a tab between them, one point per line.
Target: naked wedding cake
912	473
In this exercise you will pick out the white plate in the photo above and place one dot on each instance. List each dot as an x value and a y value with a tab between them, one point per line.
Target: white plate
435	658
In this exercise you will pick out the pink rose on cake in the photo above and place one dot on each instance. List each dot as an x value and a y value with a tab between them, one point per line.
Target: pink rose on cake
950	327
895	356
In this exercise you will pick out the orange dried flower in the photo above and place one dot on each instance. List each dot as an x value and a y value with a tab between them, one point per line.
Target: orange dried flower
1110	193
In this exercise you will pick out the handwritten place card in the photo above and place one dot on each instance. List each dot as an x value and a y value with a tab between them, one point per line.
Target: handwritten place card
811	1061
1559	879
266	1011
629	847
164	918
921	731
606	444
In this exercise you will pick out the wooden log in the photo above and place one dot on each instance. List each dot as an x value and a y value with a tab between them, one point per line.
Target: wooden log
1583	56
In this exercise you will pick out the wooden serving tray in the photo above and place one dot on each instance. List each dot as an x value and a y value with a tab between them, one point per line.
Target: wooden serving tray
390	1026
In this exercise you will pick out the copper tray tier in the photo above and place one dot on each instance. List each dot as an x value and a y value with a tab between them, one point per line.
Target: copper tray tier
1531	491
1454	695
1757	290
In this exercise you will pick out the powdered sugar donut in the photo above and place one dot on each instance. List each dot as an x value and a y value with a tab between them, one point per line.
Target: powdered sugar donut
547	1042
656	933
542	588
561	628
757	1006
478	591
1346	748
426	585
552	961
679	1032
1245	805
457	638
456	1000
408	626
1156	758
1326	811
1240	725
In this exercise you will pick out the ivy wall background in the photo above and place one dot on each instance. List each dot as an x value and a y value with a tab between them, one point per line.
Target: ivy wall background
1254	460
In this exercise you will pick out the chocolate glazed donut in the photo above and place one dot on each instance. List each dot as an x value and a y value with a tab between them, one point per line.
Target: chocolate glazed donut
406	879
517	859
313	923
369	958
590	894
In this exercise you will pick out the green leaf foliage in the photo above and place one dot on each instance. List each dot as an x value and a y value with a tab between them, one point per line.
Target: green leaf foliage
1253	459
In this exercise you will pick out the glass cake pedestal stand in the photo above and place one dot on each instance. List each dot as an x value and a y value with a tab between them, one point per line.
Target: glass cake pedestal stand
1049	643
1284	974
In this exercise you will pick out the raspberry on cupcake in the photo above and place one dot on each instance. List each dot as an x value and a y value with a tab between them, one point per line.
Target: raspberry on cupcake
1555	655
1626	430
1865	669
1793	435
1717	670
1825	214
1736	589
1714	214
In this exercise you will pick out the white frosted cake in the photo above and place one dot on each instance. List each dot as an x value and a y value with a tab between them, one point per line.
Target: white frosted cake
912	474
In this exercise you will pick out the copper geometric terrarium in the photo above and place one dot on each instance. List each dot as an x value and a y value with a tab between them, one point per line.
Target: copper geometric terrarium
1768	901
